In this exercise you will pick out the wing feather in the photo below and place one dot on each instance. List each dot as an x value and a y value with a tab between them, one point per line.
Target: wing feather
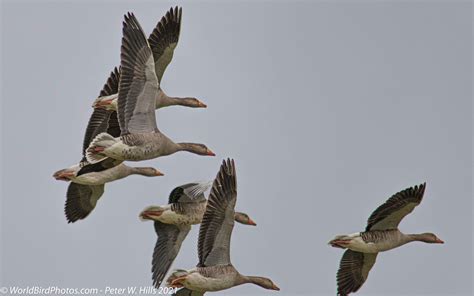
353	271
170	238
112	83
164	38
389	214
81	200
102	120
138	85
218	221
191	192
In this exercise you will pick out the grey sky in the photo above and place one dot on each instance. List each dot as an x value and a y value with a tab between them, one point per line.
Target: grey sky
327	108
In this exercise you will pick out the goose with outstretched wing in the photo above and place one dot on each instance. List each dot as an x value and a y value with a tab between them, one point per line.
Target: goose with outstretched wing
215	271
139	138
186	207
381	234
163	41
87	180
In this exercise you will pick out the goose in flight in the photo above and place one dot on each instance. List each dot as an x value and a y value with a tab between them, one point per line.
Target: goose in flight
87	180
139	138
381	234
186	206
163	41
215	271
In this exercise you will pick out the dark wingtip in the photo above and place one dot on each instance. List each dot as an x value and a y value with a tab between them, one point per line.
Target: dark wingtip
420	189
229	166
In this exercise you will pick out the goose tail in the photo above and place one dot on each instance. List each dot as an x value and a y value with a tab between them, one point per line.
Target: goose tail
96	149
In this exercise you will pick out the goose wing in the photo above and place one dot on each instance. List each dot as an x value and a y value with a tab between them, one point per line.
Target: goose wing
81	200
218	221
100	121
170	238
138	85
191	192
389	214
164	38
112	83
353	271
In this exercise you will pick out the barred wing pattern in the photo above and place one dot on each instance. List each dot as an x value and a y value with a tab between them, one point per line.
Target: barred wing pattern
138	85
389	214
218	221
164	38
353	271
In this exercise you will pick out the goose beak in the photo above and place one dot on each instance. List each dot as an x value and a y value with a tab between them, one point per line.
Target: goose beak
176	283
63	175
251	222
275	287
102	104
201	104
150	213
210	153
438	241
158	173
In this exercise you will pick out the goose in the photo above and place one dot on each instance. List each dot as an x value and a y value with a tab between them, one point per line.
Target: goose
102	172
186	206
163	41
140	138
381	234
215	271
87	180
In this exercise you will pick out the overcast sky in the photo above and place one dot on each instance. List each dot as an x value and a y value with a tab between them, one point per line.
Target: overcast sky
327	108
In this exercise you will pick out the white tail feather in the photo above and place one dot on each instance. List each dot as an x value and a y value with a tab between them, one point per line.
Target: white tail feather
176	274
103	140
198	189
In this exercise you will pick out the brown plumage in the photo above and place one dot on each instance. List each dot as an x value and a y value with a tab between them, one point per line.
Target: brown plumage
382	234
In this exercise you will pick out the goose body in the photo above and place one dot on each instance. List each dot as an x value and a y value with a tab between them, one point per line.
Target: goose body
189	215
381	234
203	279
186	207
214	271
95	177
139	137
162	100
372	241
137	147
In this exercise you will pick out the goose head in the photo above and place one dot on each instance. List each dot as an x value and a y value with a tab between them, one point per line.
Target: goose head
196	148
151	213
107	102
430	238
263	282
270	285
66	174
244	219
146	171
193	103
178	282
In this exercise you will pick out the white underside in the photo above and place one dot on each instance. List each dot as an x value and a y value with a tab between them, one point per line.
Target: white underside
99	178
195	281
